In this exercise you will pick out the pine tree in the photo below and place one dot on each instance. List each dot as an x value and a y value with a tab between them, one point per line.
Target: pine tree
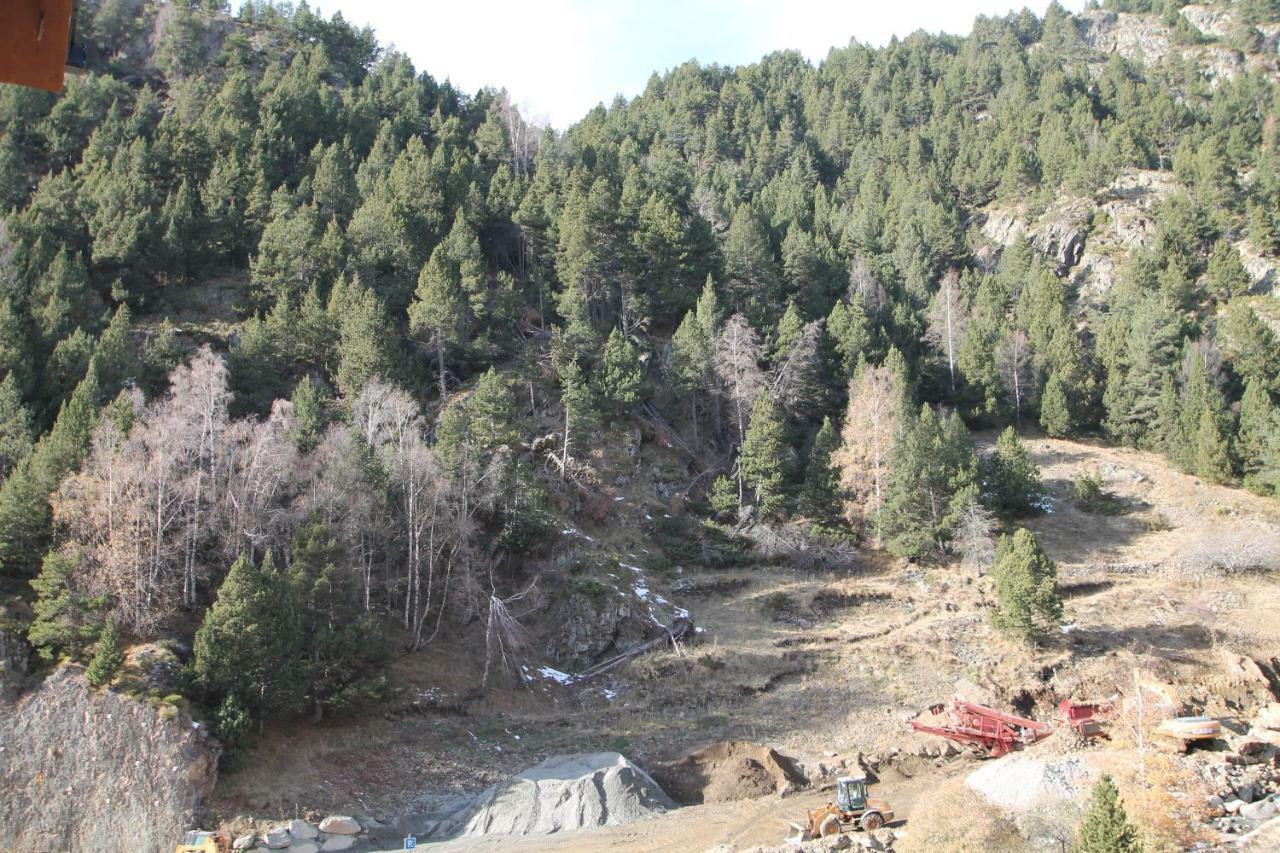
620	376
65	619
764	456
820	497
16	432
436	312
1227	275
107	658
1011	478
308	415
1027	603
789	330
249	644
580	420
849	331
364	339
689	364
933	463
1259	428
753	283
1105	827
1055	409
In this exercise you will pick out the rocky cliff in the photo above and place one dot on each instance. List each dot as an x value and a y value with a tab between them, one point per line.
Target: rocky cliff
85	770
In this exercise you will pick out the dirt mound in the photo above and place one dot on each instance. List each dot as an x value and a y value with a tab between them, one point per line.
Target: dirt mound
567	792
731	770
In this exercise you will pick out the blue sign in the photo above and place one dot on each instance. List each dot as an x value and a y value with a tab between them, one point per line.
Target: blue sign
410	842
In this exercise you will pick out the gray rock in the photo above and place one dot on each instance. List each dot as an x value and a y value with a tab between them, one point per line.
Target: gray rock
339	842
278	838
302	830
244	842
304	847
1245	793
339	825
1233	806
1262	810
841	842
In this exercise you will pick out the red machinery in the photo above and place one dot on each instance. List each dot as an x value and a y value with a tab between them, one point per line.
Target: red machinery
995	733
987	730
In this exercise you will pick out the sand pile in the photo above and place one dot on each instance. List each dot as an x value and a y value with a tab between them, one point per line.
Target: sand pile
1017	782
567	792
731	770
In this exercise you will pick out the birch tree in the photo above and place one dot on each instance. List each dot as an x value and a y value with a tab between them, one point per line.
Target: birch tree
948	319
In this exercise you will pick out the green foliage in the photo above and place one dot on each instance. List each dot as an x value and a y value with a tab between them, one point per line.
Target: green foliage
249	644
723	497
1027	603
66	620
1089	495
1105	827
1010	478
764	456
1227	275
820	496
107	658
308	415
620	376
932	468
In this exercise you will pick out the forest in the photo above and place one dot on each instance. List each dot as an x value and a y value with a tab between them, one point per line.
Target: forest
281	318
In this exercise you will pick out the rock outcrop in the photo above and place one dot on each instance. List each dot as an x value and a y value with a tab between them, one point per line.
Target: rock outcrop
95	770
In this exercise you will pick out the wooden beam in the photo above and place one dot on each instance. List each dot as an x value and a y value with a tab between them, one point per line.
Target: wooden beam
34	35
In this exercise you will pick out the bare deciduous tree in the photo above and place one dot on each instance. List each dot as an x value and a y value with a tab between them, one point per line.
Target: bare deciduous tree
868	436
948	320
1014	360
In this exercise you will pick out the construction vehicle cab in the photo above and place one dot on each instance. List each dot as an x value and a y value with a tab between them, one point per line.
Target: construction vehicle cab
852	809
203	841
851	793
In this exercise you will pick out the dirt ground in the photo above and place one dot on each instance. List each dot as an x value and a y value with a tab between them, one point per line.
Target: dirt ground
821	665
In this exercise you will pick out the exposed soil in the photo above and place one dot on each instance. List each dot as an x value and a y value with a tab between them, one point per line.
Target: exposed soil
1184	576
723	772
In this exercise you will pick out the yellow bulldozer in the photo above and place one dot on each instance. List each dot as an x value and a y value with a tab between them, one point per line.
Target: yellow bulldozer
852	809
203	841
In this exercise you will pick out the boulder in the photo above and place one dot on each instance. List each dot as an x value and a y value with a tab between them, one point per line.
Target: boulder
339	825
302	830
338	842
244	842
1233	806
1261	810
278	838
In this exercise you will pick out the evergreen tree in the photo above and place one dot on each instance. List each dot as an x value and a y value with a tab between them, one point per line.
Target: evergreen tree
436	312
764	456
1259	429
1011	479
1105	827
689	364
1055	408
1027	603
820	497
249	644
107	658
342	648
932	464
364	338
308	415
65	619
620	376
16	432
753	283
1227	275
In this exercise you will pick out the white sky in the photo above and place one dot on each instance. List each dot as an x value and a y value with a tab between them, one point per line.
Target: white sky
559	58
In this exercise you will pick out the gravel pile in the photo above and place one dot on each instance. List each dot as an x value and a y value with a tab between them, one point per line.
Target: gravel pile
565	793
1018	782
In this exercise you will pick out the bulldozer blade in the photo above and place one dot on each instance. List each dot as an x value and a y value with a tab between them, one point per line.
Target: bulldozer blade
799	833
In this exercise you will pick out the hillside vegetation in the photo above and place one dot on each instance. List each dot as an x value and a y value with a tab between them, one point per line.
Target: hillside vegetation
309	360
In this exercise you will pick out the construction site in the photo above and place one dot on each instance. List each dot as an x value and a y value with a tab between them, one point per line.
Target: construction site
789	704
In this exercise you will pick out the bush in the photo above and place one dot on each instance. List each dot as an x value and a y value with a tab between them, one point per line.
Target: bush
1089	496
108	657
